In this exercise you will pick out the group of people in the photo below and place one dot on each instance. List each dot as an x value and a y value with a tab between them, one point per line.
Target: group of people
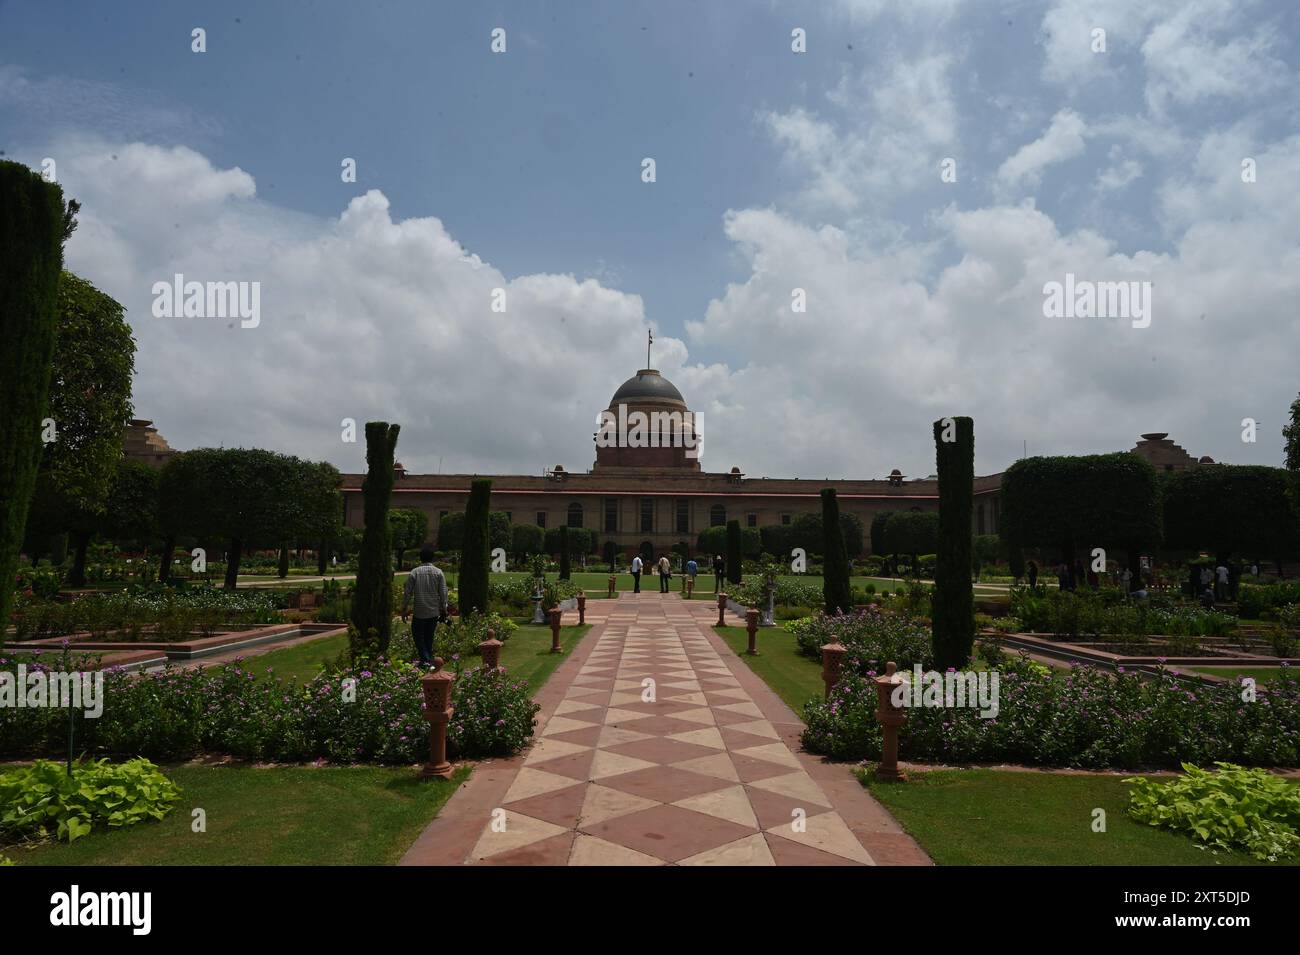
1211	586
665	569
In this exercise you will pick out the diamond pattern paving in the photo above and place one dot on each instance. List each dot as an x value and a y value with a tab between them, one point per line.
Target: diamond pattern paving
656	753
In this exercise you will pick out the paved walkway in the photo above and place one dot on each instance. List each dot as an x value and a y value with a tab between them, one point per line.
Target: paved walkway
708	773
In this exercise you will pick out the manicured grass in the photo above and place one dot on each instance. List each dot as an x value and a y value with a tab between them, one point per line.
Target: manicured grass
998	817
796	679
1260	675
527	655
287	815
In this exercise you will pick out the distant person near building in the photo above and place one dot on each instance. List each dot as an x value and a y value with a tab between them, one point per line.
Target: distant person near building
719	571
636	574
692	570
665	574
426	588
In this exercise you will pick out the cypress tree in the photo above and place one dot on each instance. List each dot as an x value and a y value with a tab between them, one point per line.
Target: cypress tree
564	553
282	571
953	600
734	565
476	550
372	598
33	225
835	559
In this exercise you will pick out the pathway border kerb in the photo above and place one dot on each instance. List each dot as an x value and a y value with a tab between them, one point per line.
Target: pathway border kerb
449	839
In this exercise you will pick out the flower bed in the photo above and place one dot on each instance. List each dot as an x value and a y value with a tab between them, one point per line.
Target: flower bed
1087	718
178	714
155	614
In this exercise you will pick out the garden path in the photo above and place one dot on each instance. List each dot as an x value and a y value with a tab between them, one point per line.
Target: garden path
709	773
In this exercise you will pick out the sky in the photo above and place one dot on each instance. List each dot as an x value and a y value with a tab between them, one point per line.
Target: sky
921	171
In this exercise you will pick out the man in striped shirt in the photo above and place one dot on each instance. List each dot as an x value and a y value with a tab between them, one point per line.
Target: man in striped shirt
428	587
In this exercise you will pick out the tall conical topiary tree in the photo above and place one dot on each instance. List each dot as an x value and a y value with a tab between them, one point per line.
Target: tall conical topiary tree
33	225
476	549
734	560
372	599
953	601
564	553
835	559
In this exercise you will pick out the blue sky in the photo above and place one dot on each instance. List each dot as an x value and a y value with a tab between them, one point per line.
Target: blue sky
775	170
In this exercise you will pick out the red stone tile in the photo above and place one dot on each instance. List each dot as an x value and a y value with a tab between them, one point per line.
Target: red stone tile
669	832
735	739
751	770
552	852
665	783
785	852
586	736
659	725
663	751
774	809
575	765
561	807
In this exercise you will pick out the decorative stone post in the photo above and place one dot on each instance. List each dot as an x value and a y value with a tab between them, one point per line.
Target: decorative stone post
832	659
613	584
751	625
891	717
436	685
722	608
555	630
690	588
582	606
490	651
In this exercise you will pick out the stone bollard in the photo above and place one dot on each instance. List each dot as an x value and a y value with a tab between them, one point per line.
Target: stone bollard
613	584
690	588
722	608
832	658
891	717
582	607
555	630
751	625
490	651
436	685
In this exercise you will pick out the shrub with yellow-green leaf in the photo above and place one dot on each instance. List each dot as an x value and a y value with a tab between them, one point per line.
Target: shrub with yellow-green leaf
42	800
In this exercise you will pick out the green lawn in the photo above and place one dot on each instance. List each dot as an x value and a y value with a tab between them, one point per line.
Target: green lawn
796	679
998	817
1260	675
292	815
527	655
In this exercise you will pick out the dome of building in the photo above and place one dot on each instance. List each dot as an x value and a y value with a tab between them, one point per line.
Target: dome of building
647	384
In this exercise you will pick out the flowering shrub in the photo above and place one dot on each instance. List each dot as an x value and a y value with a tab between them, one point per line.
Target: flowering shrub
1073	615
493	715
789	593
367	713
872	637
1085	718
145	613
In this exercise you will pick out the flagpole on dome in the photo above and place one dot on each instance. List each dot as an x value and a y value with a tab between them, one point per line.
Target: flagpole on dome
650	339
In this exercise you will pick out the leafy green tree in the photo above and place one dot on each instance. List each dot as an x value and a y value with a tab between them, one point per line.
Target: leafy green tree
181	510
33	225
409	527
526	540
953	600
1291	432
713	540
564	553
1110	501
1241	510
476	551
131	514
878	521
985	549
912	533
835	559
735	566
372	597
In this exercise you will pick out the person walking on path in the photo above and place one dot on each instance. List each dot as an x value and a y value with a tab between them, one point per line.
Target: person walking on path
719	571
1221	582
1033	574
665	573
636	574
692	570
426	587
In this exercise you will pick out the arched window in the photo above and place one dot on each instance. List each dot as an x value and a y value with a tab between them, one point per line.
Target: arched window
717	515
575	515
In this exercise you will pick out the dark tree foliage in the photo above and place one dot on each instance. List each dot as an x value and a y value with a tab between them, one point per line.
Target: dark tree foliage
1291	450
913	533
409	527
734	563
527	540
953	600
32	229
131	514
878	522
835	559
564	553
805	531
1230	510
713	540
582	540
1067	503
476	550
372	597
181	486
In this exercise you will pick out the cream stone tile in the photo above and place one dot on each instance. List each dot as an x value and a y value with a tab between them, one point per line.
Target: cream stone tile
732	694
615	715
520	830
562	724
546	748
744	709
758	728
772	753
571	706
829	833
731	804
797	786
608	764
718	766
708	736
611	736
603	803
588	850
694	699
751	850
535	782
702	715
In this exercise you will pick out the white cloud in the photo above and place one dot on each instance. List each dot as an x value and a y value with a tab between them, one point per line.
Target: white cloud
1064	139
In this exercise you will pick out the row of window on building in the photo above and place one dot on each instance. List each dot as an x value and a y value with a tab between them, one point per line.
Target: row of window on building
576	516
